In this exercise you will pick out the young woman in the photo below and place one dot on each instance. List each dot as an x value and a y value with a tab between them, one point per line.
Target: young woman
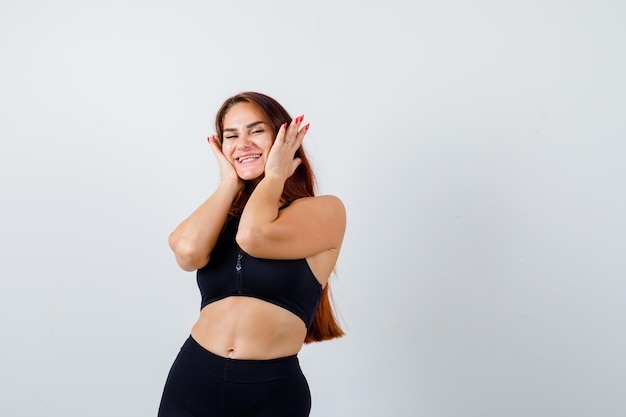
264	247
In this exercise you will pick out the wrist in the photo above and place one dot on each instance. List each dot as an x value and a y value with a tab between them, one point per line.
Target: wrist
231	185
272	176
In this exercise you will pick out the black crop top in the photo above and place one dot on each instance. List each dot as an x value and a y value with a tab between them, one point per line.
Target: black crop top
289	284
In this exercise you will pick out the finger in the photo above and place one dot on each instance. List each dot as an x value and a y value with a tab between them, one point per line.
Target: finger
212	141
294	127
216	145
294	165
303	131
292	132
280	135
301	134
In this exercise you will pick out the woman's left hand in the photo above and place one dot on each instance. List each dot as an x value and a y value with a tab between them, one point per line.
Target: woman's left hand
281	161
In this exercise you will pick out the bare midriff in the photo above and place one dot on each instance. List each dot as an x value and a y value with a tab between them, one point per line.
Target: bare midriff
241	327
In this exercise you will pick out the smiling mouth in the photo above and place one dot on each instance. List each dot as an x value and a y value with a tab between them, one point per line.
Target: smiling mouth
248	158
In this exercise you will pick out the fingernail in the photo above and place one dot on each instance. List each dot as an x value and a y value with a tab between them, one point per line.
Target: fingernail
208	139
299	119
285	125
306	127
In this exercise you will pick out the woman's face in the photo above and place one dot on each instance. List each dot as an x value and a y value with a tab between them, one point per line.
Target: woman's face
247	139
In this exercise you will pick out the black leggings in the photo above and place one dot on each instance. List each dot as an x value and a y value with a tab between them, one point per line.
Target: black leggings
202	384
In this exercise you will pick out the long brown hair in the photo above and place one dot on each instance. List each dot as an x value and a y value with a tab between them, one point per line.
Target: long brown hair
300	184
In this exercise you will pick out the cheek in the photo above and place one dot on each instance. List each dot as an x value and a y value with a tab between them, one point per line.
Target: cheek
227	149
268	143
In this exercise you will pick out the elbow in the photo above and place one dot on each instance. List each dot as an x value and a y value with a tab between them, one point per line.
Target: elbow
248	241
188	256
243	239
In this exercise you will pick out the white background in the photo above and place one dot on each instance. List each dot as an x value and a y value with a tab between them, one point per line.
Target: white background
479	148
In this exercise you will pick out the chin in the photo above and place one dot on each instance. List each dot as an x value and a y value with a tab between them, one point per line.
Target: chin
251	177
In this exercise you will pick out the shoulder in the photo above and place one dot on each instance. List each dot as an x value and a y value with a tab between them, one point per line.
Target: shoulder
323	204
327	199
319	214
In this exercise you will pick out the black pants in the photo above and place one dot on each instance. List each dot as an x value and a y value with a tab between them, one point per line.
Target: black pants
202	384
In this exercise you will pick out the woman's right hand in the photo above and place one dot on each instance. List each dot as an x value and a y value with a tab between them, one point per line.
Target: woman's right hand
227	170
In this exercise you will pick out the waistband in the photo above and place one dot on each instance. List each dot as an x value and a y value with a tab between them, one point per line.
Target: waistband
241	370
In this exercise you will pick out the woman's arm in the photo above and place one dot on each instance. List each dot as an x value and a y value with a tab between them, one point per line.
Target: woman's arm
308	226
193	240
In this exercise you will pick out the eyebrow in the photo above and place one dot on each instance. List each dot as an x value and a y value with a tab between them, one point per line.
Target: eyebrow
248	126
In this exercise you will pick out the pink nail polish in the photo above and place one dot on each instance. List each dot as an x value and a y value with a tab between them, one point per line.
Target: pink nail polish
306	127
285	125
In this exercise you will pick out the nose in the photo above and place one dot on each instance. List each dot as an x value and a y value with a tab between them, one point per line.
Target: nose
244	141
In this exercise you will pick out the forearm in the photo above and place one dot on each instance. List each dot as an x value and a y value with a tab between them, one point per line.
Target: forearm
193	240
262	206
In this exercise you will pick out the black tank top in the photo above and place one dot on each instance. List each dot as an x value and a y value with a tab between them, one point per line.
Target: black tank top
289	284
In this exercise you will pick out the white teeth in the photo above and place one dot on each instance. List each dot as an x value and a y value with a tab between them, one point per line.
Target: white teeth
247	158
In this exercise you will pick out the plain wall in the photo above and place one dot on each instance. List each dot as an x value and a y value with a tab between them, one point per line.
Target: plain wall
479	149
